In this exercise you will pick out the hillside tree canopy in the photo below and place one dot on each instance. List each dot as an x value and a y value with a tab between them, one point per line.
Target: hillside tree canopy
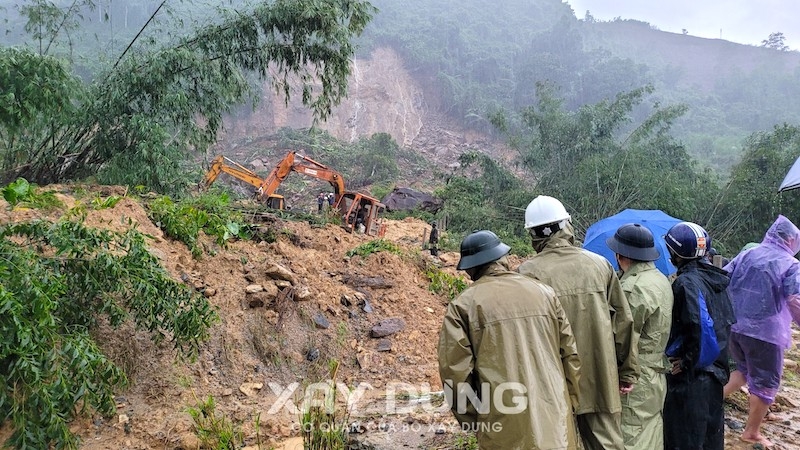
136	121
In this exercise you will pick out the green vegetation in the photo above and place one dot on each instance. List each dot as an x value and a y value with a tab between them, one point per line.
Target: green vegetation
214	431
325	423
58	281
465	442
374	246
210	213
443	283
22	193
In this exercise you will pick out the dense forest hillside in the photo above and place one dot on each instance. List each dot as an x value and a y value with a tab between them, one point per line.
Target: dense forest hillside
483	62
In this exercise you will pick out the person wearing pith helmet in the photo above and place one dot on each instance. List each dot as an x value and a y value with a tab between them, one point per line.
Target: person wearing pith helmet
595	304
697	348
649	295
506	339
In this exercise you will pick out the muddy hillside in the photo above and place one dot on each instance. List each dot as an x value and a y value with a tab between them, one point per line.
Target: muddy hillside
288	309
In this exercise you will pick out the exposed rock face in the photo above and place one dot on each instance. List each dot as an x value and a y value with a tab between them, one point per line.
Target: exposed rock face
383	97
406	199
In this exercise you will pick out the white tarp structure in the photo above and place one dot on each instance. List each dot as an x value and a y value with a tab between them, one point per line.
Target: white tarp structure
792	178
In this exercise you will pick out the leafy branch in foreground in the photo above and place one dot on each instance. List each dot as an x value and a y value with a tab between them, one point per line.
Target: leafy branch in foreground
56	281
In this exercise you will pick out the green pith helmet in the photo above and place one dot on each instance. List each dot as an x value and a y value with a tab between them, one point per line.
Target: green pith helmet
479	248
633	241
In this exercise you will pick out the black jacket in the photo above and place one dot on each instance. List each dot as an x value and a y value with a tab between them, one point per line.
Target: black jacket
693	279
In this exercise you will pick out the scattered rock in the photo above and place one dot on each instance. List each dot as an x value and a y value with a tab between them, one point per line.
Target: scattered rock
353	314
387	327
373	282
282	284
357	427
384	345
251	277
734	424
313	354
345	300
321	322
302	294
429	309
366	307
364	361
790	364
227	392
253	288
123	419
209	292
279	272
250	389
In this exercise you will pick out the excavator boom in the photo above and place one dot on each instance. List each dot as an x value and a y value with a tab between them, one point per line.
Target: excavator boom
295	162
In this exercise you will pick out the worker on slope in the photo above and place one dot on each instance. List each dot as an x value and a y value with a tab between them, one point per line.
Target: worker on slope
595	304
507	340
649	296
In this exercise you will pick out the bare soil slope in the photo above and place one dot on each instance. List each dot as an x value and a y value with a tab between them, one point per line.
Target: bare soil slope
289	330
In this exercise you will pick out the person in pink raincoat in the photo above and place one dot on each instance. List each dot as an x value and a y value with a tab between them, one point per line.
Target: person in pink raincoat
765	293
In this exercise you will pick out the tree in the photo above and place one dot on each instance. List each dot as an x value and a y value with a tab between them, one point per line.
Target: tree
751	202
597	164
58	282
776	41
154	106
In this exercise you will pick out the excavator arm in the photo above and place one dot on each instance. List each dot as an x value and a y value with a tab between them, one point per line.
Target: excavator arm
236	170
294	162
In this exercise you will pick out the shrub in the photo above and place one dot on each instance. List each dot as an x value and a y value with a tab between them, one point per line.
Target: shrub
443	283
208	212
56	281
374	246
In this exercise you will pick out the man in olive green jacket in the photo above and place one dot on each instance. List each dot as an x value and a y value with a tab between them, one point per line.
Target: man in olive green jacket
601	320
649	295
506	341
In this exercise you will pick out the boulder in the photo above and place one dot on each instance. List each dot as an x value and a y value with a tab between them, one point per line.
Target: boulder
388	327
279	272
406	199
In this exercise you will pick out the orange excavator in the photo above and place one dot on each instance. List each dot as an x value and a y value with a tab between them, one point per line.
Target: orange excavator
359	212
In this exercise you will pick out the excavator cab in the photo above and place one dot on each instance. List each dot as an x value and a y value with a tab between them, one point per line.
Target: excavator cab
275	201
362	214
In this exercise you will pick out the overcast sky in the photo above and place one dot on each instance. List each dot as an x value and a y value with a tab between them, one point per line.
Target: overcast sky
742	21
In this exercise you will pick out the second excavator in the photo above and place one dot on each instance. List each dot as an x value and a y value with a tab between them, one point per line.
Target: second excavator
359	212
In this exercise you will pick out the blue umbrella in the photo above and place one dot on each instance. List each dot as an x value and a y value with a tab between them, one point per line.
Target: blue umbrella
658	222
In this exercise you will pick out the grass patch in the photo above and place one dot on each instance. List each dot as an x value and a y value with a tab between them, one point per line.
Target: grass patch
443	283
375	246
214	431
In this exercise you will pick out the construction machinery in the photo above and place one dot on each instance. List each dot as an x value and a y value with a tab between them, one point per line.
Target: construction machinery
359	212
222	164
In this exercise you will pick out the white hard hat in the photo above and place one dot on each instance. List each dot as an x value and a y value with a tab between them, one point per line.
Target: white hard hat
544	210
